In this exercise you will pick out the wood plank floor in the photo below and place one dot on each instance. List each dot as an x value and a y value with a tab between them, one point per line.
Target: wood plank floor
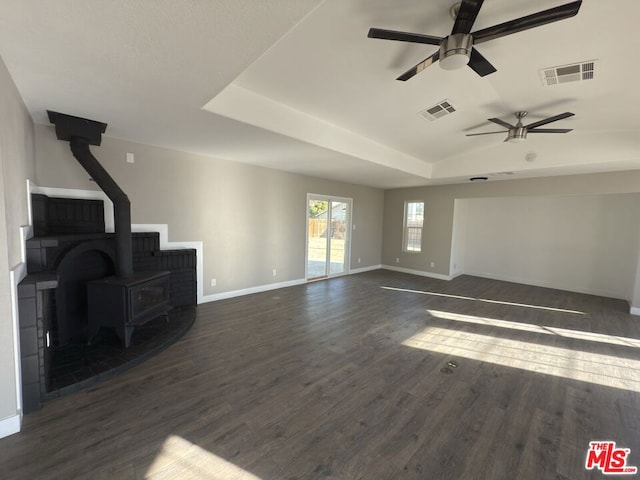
380	375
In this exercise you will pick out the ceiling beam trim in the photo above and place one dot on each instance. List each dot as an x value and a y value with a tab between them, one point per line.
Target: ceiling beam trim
249	107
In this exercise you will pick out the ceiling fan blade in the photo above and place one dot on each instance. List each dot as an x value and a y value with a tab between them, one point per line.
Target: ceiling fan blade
403	36
479	64
524	23
501	122
550	130
419	67
549	120
467	14
485	133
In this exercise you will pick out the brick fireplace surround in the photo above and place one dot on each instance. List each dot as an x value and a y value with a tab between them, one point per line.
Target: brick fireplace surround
64	256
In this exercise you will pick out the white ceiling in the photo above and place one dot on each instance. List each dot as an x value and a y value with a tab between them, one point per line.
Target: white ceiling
297	85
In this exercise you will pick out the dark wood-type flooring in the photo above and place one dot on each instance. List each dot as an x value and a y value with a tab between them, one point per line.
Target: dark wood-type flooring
380	375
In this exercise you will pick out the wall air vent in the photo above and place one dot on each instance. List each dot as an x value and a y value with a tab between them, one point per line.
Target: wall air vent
437	111
575	72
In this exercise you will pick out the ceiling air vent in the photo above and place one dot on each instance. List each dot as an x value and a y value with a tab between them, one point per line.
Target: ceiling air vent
437	111
575	72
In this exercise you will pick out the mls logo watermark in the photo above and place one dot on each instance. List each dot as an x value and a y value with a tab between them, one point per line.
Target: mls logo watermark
610	460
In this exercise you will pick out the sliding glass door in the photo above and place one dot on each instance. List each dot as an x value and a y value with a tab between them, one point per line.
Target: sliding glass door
328	236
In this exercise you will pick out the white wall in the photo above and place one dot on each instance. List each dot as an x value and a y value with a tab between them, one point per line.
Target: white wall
582	243
17	164
459	236
249	219
635	301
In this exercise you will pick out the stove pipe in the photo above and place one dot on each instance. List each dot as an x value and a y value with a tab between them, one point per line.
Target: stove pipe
80	133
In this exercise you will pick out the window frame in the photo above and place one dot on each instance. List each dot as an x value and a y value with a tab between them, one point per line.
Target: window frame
405	227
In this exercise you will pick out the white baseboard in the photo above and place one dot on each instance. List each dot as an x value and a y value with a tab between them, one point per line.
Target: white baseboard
421	273
364	269
247	291
272	286
634	311
9	426
569	288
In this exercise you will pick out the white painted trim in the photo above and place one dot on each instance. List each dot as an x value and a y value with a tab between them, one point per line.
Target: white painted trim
438	276
353	271
405	230
16	275
29	233
274	286
250	107
165	244
9	426
30	186
109	223
524	281
456	275
634	311
248	291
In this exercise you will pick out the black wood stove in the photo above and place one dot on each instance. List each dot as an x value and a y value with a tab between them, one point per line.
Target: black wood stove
81	279
124	302
126	299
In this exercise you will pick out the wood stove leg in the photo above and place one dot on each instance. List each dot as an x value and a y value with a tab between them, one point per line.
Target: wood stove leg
128	331
124	334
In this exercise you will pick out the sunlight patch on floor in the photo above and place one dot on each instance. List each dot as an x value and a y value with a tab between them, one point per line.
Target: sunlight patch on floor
182	460
485	300
595	368
543	329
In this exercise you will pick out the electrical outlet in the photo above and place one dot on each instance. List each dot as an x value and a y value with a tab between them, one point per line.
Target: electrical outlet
130	157
397	260
213	282
273	272
433	264
358	259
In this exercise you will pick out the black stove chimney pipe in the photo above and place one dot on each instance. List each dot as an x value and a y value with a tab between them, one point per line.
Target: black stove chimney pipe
80	133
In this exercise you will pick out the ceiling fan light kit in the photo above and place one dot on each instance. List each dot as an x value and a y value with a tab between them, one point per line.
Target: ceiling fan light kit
517	135
457	49
518	132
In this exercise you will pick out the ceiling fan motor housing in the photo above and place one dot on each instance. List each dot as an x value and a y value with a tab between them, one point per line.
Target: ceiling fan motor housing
517	134
455	50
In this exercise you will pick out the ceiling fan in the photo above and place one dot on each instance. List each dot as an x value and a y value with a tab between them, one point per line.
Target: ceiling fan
518	132
457	49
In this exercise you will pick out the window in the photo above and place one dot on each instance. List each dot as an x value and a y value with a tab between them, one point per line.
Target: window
413	220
